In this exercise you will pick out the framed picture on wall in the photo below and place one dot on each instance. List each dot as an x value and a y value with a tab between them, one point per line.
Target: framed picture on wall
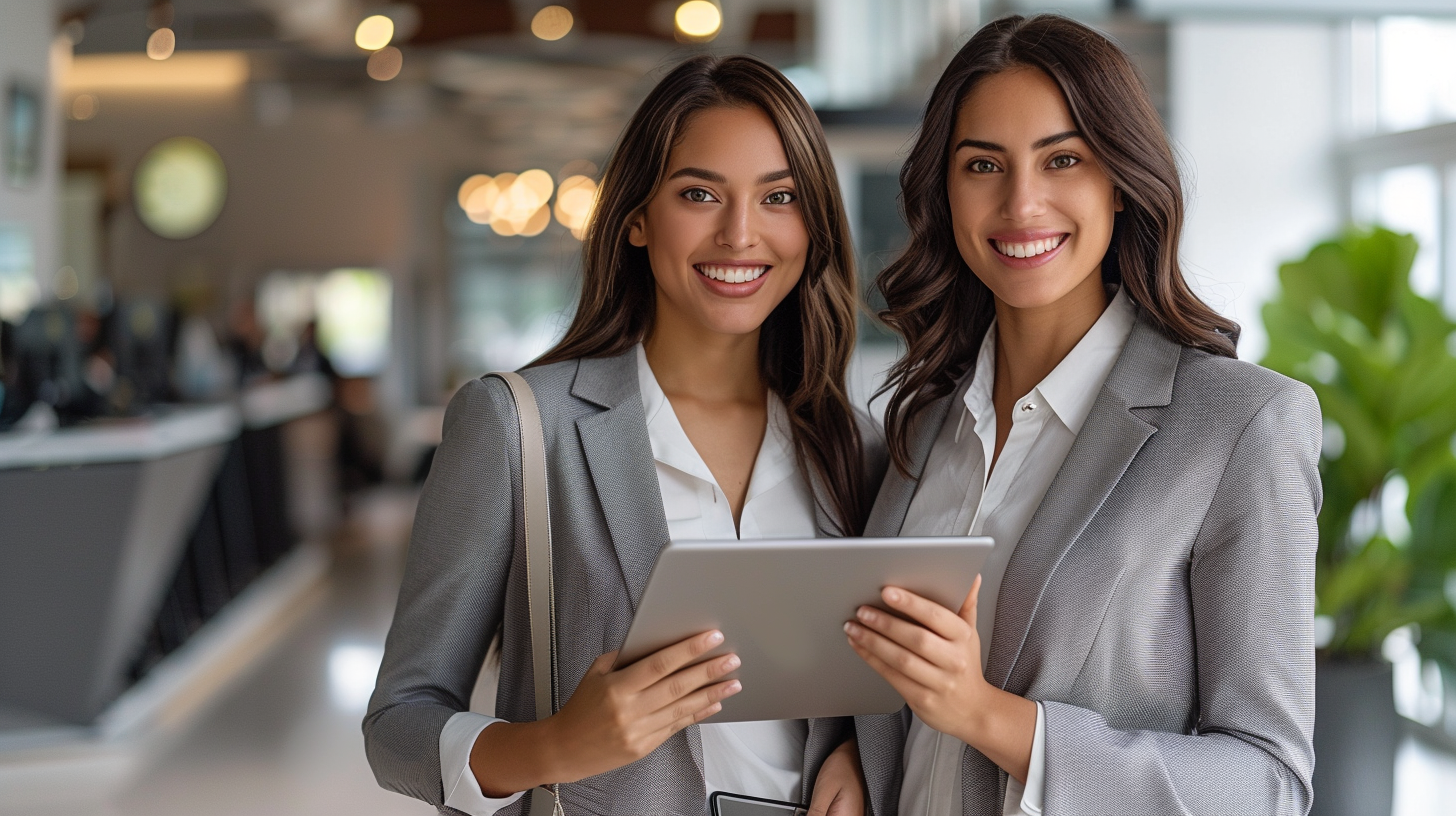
21	137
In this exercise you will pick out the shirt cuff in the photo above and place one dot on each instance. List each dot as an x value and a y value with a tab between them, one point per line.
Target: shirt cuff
1027	800
462	791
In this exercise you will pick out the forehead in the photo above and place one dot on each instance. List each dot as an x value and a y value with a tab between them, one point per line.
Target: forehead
724	139
1014	108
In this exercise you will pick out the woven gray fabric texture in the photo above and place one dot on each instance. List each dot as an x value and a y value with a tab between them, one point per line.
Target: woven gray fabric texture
1160	603
465	580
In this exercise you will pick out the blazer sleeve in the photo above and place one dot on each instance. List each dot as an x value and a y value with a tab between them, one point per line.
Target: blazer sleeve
1251	584
452	596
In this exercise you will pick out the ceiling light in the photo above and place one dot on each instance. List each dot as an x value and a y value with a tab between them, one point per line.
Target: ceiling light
698	19
374	32
161	44
385	64
552	23
469	186
189	71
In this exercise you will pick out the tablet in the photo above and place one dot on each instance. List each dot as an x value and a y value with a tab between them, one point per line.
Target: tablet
781	606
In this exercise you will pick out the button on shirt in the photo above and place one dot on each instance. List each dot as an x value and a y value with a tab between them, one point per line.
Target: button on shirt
956	497
764	759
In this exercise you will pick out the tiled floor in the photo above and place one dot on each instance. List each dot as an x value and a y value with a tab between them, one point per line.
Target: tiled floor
285	740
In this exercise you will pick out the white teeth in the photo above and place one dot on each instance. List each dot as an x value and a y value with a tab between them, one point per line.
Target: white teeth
732	274
1030	249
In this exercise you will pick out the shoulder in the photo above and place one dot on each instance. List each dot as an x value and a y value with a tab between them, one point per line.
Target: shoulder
487	400
1237	392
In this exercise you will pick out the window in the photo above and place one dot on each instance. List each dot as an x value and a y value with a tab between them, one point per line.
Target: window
1400	164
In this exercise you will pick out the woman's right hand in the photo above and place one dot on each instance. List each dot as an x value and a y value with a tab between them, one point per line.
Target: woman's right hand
613	718
617	717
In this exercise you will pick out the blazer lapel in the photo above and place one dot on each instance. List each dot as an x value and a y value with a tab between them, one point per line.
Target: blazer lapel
1108	442
619	455
896	491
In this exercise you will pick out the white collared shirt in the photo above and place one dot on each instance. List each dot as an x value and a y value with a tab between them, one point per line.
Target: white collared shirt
955	497
764	759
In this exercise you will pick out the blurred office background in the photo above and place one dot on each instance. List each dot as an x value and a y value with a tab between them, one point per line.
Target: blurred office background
248	248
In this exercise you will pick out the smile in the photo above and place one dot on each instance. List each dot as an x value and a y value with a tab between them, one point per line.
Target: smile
731	274
1029	249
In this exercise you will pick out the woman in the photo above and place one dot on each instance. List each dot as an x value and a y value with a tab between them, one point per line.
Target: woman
1141	641
698	393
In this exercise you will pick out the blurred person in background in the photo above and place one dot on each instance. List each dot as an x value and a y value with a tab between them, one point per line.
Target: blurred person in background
1141	638
699	393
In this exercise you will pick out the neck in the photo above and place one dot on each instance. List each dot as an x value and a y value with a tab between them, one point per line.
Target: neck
1031	342
691	361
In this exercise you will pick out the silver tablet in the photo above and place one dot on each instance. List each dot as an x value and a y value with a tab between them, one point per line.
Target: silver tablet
781	605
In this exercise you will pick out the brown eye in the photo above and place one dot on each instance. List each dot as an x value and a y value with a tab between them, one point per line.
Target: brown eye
1063	161
698	195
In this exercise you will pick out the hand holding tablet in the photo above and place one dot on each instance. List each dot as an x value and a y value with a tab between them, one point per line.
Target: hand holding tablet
781	606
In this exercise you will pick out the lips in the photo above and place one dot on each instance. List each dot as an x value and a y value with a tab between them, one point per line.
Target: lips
732	273
1028	249
733	280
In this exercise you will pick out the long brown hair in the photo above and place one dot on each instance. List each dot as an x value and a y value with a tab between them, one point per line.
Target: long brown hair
805	344
934	301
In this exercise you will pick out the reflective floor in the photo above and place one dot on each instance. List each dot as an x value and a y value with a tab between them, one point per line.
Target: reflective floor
285	739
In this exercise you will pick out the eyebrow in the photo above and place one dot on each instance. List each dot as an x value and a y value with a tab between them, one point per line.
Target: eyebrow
719	178
1036	145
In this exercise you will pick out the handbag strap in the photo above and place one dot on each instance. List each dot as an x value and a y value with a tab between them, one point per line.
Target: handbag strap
540	584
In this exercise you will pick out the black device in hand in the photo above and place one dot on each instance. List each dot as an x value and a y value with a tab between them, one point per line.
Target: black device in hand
736	804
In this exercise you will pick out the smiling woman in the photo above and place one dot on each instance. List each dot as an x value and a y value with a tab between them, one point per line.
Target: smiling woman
1140	637
699	393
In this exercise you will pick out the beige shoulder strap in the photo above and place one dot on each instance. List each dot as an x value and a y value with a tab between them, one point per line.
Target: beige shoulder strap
540	586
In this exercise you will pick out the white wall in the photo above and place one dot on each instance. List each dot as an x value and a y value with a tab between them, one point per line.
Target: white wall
1254	112
26	31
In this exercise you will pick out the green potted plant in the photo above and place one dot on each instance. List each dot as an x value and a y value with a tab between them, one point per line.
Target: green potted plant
1382	360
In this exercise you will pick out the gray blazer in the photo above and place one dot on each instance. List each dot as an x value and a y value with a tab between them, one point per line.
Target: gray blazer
1160	603
465	581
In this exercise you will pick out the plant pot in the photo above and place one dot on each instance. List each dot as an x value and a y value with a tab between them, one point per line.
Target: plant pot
1356	733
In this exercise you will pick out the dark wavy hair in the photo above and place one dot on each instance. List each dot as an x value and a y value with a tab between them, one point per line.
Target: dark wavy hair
805	344
934	301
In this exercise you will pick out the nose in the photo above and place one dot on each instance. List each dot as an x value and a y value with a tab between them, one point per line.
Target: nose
1025	196
738	228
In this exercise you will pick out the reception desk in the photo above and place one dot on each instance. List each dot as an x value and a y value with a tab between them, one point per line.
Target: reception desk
119	540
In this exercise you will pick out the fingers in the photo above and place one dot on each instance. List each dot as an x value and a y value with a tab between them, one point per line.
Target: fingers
907	688
663	662
887	652
697	706
821	800
968	608
928	613
911	636
681	683
603	664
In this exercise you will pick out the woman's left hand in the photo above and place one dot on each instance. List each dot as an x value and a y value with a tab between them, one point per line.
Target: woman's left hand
933	659
839	790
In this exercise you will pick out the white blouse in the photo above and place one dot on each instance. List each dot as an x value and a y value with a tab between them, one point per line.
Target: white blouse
764	759
956	497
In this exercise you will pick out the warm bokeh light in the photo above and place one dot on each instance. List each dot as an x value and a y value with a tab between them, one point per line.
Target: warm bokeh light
552	23
385	64
374	32
84	107
161	44
698	19
539	184
469	186
511	204
575	200
538	222
189	71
